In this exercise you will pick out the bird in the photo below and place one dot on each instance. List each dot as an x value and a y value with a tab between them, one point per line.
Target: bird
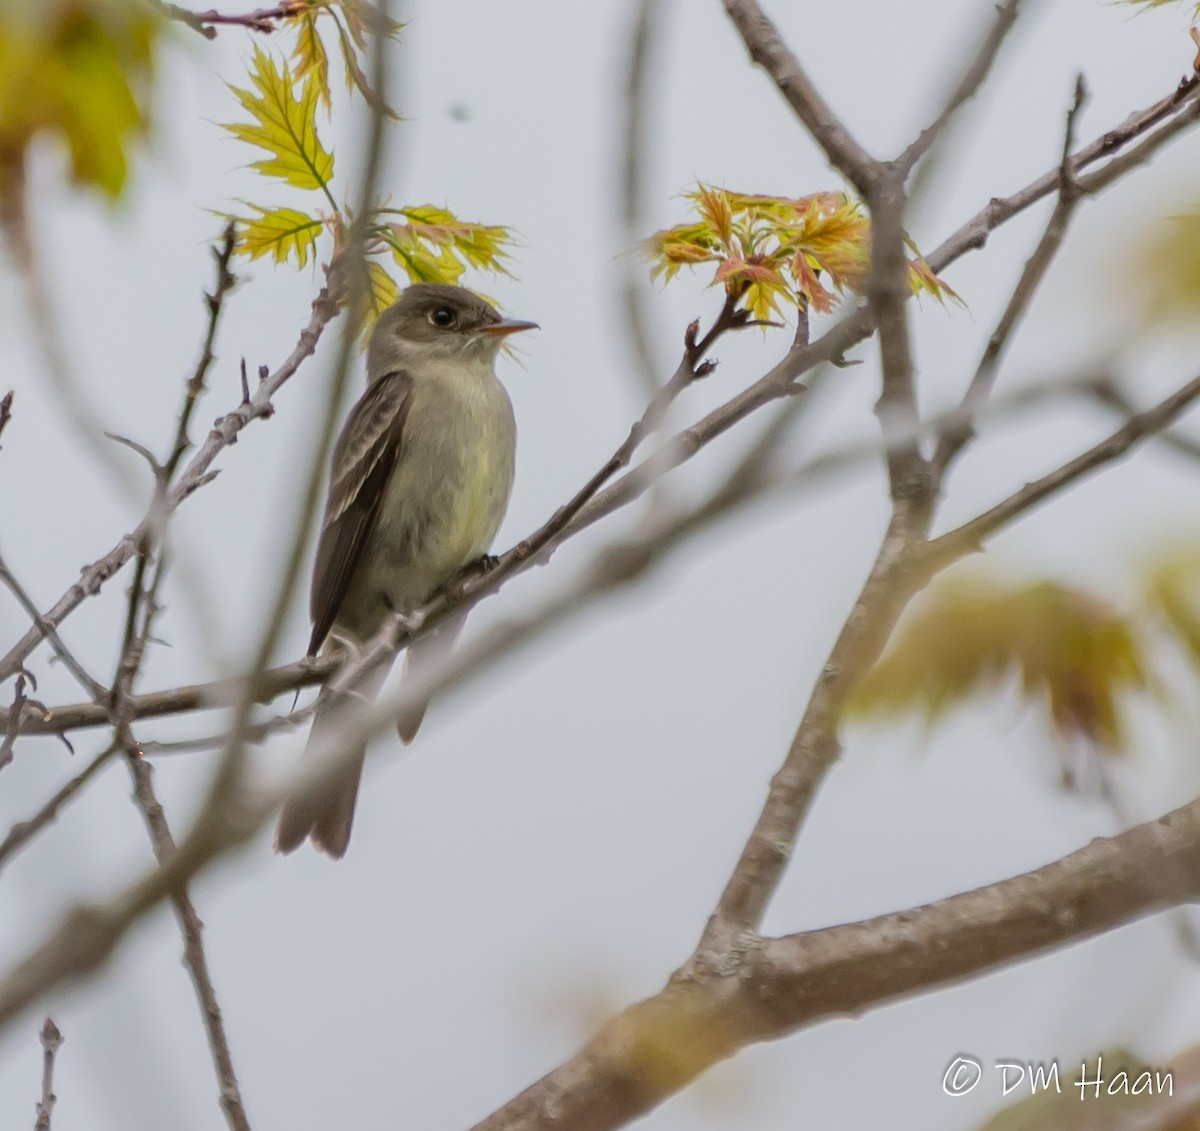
420	481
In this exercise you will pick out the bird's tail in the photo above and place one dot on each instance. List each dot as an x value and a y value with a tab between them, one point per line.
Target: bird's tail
326	814
425	656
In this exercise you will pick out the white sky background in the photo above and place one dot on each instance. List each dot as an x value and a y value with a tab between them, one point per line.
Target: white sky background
550	847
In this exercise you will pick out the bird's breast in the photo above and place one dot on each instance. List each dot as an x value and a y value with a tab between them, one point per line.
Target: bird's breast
451	486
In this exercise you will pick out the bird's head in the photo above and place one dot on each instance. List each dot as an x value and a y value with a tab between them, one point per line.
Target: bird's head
433	321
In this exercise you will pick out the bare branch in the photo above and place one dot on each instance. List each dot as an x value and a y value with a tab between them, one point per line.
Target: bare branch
970	536
5	410
768	50
635	122
967	87
52	1040
769	988
261	20
48	632
954	440
24	831
224	432
1106	392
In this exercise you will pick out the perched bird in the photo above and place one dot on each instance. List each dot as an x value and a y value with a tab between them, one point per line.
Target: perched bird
420	481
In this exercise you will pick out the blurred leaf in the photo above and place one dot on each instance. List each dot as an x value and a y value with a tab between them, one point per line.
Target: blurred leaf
282	233
1168	270
353	40
770	250
79	71
1149	4
1173	592
1070	653
284	125
380	292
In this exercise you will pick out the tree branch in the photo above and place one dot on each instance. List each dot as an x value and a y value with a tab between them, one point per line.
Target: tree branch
206	23
768	51
967	87
954	439
969	537
224	432
52	1040
770	988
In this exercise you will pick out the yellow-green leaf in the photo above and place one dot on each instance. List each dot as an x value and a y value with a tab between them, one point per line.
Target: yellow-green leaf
310	57
284	125
282	233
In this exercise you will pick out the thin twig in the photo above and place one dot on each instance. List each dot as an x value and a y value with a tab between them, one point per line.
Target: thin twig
262	20
24	831
48	632
968	86
953	441
5	410
643	42
970	535
225	431
194	957
13	726
767	49
142	609
52	1040
1106	392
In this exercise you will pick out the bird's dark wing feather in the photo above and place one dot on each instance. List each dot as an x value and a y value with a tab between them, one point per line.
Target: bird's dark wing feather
363	460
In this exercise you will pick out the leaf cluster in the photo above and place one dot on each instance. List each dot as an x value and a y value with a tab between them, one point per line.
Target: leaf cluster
806	251
428	243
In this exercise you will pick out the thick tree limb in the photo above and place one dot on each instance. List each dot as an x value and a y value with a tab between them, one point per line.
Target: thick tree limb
769	988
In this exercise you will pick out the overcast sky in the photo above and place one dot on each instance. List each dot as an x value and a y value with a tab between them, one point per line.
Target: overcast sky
550	847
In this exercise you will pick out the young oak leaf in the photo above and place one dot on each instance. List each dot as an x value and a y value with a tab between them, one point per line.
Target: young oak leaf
434	246
310	57
284	125
282	233
1069	653
768	250
352	40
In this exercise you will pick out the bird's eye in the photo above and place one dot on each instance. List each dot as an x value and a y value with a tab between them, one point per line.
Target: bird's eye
443	316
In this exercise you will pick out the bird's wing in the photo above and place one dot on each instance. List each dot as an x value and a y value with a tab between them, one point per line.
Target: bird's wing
363	461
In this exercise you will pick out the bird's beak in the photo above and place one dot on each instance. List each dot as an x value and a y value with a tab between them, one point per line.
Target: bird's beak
507	326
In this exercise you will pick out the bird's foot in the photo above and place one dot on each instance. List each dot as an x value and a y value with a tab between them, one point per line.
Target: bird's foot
456	591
